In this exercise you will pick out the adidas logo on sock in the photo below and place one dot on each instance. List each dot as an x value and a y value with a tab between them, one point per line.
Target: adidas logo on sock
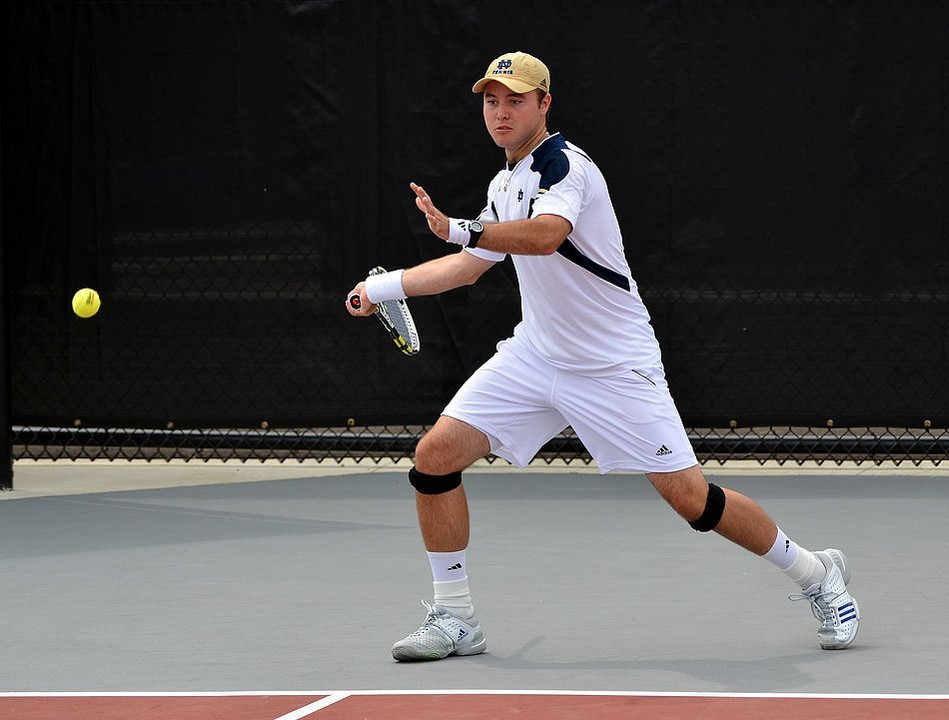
456	566
663	451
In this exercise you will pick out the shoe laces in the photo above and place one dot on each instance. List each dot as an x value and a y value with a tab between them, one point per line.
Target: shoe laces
820	604
432	612
430	619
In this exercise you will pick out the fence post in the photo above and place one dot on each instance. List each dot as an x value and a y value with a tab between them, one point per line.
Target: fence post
6	421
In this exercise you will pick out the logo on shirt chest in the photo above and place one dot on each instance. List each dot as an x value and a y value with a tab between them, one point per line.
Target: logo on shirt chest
520	195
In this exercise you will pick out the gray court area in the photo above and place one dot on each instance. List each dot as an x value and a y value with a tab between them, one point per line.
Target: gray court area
301	578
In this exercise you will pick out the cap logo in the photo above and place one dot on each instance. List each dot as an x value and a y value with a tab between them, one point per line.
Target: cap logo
504	68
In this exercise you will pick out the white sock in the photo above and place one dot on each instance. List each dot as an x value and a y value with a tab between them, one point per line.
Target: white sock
455	596
799	564
450	580
783	553
448	565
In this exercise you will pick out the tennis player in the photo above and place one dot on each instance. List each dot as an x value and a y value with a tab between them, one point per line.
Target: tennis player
584	355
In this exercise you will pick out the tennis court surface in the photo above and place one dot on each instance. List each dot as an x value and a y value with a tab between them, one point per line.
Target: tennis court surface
275	592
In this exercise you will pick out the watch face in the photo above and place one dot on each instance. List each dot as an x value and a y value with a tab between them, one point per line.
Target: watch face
476	226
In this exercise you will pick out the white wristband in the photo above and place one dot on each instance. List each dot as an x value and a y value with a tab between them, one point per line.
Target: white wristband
458	231
387	286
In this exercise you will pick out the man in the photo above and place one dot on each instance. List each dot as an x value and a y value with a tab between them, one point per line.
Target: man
584	355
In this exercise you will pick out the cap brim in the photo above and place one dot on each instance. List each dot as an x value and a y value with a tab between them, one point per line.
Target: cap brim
515	85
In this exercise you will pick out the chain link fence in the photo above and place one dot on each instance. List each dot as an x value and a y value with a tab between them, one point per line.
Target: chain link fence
214	344
831	446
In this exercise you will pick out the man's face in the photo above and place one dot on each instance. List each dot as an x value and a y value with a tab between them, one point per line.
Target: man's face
512	118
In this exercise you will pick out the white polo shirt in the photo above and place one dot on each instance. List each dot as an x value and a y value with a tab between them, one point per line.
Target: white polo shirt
581	309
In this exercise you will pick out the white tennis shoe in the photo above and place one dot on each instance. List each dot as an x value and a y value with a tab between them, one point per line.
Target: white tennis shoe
831	603
442	634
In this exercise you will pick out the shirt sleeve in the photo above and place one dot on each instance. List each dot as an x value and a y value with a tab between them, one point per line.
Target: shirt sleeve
488	214
562	183
485	254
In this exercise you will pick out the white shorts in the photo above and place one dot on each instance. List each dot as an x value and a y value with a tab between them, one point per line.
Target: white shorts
627	422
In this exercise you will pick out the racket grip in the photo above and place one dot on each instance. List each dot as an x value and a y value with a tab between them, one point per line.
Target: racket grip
355	302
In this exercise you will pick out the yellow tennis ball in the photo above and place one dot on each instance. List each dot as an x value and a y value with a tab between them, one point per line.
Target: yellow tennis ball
86	303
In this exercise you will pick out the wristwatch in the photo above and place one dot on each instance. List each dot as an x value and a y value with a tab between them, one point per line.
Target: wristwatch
475	228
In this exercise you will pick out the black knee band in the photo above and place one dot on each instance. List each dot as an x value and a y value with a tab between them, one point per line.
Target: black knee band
714	508
434	484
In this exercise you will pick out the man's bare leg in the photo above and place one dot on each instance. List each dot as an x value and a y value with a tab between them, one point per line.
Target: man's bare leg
744	521
450	628
448	447
822	576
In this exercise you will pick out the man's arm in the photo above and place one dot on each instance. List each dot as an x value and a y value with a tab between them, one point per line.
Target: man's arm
444	273
540	235
430	278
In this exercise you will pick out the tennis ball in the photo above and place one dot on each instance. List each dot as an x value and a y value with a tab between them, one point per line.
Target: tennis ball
86	303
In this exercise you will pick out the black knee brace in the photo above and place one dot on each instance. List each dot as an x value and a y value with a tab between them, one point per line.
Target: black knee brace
434	484
714	508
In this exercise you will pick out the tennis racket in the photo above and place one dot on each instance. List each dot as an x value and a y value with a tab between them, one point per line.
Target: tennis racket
396	319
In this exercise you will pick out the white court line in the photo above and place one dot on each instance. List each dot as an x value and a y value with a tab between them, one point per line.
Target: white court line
338	695
671	694
314	706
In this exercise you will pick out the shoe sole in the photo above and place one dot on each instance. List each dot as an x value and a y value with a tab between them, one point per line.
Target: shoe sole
475	649
410	655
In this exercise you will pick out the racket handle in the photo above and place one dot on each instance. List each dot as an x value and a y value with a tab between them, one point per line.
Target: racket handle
355	302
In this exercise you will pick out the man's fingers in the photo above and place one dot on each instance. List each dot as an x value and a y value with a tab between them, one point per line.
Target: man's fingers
421	195
433	215
358	303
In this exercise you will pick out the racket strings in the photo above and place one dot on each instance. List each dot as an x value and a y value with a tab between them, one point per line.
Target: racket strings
397	320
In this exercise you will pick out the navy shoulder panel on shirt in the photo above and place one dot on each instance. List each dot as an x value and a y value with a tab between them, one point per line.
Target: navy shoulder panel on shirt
550	161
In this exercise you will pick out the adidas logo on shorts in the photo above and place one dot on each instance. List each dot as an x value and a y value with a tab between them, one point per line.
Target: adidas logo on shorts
663	451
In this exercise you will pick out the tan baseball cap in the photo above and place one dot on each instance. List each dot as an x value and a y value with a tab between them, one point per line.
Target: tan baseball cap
518	71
